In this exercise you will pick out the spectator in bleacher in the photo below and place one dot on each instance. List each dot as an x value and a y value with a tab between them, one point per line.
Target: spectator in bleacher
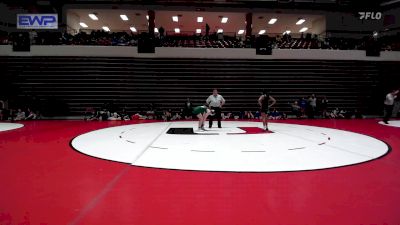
312	106
207	30
32	36
257	115
124	115
177	116
215	102
114	116
338	114
275	115
31	115
20	115
138	116
104	113
3	109
334	113
358	114
389	104
296	110
89	114
167	115
123	38
342	114
151	112
161	30
248	115
324	107
303	106
226	116
396	107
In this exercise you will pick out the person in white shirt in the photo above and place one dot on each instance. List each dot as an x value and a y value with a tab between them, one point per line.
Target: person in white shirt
312	102
20	115
114	116
389	104
216	102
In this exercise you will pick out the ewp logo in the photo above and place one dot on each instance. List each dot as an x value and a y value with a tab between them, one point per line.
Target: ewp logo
370	15
37	21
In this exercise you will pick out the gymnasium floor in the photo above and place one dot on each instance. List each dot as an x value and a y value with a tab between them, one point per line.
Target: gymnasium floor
300	173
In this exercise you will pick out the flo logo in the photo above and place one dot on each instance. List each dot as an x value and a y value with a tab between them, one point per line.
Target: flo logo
370	15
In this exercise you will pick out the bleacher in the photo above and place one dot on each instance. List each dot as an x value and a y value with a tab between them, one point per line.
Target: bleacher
134	83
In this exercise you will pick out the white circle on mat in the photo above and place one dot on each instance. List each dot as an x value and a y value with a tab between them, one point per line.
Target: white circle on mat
289	148
10	126
392	123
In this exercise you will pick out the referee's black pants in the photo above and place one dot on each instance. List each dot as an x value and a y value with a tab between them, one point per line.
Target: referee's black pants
216	116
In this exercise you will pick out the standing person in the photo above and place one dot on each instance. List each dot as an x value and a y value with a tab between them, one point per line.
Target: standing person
389	104
187	109
202	113
161	30
263	101
2	109
215	101
396	107
324	107
312	102
303	106
207	30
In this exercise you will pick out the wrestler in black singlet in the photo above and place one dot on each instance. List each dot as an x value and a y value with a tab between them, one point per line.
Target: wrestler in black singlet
264	104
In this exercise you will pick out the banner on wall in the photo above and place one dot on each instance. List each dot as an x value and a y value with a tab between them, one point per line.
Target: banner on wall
37	21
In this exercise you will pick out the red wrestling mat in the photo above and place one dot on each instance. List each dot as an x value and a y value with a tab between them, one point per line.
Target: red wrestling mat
44	181
255	130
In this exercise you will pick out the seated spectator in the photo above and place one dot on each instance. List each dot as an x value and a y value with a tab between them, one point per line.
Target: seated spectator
138	116
296	110
337	114
236	115
124	115
90	114
248	115
334	113
226	116
31	115
276	115
342	114
151	113
167	115
104	114
177	116
20	115
358	114
114	116
257	115
347	114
